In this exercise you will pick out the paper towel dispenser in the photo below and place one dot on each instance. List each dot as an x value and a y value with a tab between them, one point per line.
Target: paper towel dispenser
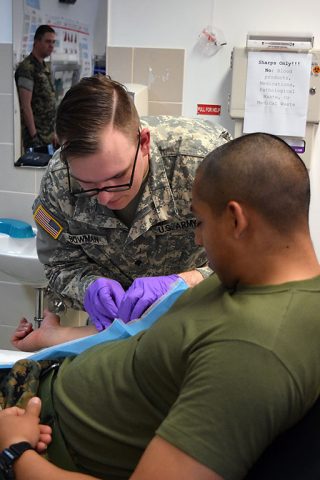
280	41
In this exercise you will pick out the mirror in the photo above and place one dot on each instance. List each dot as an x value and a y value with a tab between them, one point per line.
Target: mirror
80	49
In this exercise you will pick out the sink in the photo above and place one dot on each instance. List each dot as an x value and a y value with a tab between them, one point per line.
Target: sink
19	261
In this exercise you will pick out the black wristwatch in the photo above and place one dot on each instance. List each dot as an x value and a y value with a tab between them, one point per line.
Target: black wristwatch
8	457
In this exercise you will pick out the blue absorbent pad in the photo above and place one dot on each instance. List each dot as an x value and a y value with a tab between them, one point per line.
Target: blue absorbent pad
117	330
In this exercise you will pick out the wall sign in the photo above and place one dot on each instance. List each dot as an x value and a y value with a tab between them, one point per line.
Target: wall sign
277	93
208	109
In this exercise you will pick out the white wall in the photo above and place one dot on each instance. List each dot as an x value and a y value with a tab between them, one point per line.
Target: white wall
237	18
6	21
172	24
177	23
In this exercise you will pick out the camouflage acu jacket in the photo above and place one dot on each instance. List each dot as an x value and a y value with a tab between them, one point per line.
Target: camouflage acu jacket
80	240
36	77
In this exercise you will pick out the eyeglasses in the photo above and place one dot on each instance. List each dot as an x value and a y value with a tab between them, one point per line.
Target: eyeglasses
95	191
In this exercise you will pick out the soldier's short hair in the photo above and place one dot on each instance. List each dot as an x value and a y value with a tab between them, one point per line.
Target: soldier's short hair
262	171
40	32
89	107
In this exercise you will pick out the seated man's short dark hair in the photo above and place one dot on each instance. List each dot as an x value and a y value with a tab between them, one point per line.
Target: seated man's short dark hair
279	189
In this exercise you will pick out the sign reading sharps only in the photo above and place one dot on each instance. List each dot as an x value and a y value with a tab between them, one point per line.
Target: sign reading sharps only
277	92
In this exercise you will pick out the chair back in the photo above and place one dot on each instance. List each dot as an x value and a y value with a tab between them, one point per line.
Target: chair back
294	455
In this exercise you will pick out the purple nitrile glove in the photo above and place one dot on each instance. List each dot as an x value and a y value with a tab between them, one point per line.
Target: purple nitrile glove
102	300
141	294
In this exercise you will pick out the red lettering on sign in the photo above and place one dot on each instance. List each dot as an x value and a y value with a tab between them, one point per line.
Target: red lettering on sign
207	109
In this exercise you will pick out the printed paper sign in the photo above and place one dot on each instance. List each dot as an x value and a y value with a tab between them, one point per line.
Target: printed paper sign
277	93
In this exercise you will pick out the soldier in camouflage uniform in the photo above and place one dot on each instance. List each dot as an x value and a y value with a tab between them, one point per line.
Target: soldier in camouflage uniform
36	91
142	231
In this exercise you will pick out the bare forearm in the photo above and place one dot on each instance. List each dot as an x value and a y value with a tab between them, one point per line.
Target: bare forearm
47	335
31	466
191	278
65	334
29	120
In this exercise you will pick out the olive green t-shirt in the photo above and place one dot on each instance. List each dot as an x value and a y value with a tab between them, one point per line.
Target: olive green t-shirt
219	376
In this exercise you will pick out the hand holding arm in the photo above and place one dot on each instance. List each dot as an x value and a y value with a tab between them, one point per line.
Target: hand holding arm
142	294
102	300
160	459
18	425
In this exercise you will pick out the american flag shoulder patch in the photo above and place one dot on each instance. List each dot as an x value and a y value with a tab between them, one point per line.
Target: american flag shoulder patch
47	222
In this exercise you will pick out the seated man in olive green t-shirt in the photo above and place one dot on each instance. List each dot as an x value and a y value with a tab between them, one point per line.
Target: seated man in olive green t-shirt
236	360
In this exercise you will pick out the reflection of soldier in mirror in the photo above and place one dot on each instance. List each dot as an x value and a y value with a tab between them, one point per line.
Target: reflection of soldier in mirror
36	92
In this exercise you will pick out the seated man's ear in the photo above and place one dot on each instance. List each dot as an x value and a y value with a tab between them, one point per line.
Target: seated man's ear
145	141
238	217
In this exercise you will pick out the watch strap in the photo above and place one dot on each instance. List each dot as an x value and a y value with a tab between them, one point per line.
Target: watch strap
9	455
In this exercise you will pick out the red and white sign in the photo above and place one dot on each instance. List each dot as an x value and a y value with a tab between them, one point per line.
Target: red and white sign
208	109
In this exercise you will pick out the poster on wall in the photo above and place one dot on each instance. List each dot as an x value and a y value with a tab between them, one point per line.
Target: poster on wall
73	43
277	93
31	20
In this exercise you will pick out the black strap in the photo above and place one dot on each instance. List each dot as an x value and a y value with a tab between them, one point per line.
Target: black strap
8	457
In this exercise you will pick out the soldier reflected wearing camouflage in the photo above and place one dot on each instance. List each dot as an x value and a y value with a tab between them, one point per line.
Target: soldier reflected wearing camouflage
36	77
80	240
